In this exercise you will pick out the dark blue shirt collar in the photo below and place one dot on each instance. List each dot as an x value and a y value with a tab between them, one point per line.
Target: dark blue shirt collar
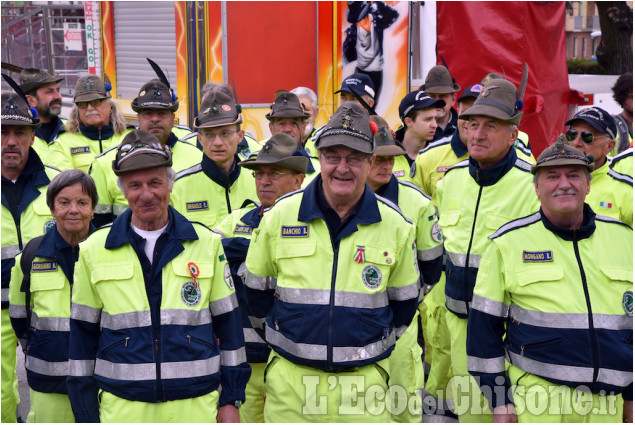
390	190
252	217
490	176
93	132
458	146
583	232
179	228
217	175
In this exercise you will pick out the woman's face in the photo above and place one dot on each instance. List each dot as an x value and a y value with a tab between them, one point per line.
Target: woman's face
72	210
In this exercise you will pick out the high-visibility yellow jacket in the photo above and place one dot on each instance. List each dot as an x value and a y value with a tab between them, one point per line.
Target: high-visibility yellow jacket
556	303
156	332
473	203
332	301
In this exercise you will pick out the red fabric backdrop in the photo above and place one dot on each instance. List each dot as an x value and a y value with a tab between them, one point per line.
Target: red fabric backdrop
476	38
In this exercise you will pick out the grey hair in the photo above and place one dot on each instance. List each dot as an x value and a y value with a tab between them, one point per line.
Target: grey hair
68	178
117	120
512	127
307	92
171	178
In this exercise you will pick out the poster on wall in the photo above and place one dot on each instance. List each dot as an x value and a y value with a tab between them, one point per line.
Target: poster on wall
374	42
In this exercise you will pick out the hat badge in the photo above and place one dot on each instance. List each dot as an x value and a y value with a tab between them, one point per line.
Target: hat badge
267	147
226	108
157	92
11	105
88	84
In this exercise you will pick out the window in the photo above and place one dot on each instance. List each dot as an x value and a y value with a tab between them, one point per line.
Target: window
143	32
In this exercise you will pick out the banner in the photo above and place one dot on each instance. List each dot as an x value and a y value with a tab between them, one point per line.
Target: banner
374	41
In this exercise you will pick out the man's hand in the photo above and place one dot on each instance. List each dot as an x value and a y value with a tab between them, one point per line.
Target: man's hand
505	414
227	414
627	416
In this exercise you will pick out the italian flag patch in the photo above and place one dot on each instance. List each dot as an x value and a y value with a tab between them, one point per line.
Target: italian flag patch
360	255
606	204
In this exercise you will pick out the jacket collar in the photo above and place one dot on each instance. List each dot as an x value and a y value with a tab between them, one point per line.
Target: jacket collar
93	133
59	127
179	228
583	232
491	176
457	145
172	140
390	190
366	212
52	244
253	216
217	175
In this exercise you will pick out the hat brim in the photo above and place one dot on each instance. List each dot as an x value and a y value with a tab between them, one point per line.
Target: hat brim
491	111
287	113
389	150
295	163
351	142
88	97
440	89
211	123
592	123
562	161
29	87
138	108
37	123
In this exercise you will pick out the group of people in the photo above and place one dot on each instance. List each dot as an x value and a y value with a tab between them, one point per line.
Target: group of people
159	274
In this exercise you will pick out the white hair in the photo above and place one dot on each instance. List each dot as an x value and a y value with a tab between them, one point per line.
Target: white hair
308	93
171	178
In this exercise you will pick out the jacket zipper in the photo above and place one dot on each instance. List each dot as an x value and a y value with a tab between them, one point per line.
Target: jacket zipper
466	274
329	348
592	333
101	149
229	204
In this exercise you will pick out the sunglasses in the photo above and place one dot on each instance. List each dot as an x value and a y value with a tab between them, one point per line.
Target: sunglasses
586	136
95	103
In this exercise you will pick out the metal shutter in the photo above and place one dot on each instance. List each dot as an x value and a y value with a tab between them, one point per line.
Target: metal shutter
143	30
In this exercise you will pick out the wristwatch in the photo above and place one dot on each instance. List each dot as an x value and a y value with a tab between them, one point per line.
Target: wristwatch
237	404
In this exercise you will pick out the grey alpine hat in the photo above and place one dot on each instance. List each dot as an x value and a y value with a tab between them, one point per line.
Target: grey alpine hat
218	109
385	142
498	99
350	127
34	78
91	87
562	153
439	80
287	105
140	150
281	150
155	95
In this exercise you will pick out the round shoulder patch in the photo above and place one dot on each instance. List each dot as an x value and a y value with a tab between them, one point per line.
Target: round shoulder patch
413	169
436	233
371	275
190	294
627	302
49	225
228	277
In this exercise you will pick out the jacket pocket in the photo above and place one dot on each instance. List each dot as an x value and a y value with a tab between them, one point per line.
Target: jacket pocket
112	271
295	249
540	273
